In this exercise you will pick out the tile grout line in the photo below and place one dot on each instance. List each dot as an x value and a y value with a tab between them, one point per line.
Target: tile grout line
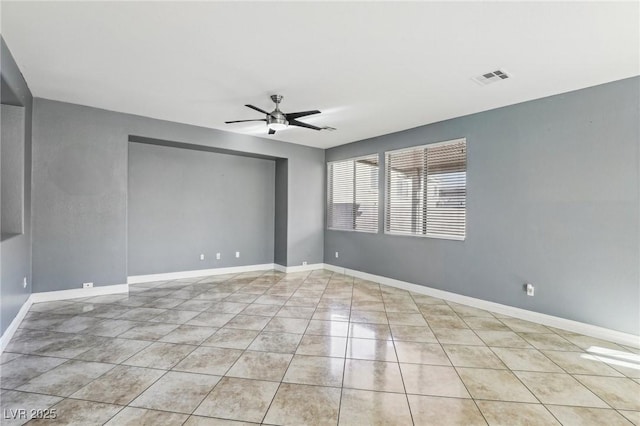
237	290
404	386
475	403
227	370
291	360
456	369
240	356
520	380
508	368
115	365
344	362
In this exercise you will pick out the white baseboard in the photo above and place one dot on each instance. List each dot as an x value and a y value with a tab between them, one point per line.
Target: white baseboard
544	319
549	320
10	331
50	296
298	268
135	279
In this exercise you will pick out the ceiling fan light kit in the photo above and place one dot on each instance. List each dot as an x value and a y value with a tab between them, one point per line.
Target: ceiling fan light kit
278	120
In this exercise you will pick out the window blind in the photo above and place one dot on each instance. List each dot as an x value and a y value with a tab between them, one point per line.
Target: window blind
426	190
352	194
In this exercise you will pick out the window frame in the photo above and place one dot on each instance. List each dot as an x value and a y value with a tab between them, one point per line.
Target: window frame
328	195
386	194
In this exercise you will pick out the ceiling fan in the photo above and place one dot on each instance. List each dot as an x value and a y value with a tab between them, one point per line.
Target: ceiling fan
278	120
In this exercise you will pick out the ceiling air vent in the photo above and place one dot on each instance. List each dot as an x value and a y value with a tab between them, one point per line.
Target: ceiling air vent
491	77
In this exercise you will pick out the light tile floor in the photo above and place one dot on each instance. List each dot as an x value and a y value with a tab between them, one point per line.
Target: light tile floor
306	348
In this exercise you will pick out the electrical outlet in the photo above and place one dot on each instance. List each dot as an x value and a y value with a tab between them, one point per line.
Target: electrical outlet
337	255
217	256
237	254
24	282
304	263
202	256
87	285
530	289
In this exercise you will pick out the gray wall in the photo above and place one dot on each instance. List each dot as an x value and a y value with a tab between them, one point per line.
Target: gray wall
15	252
280	242
80	190
183	203
553	199
12	147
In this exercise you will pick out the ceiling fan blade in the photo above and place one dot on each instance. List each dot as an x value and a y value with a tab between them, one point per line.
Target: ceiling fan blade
272	132
294	115
257	109
305	125
244	121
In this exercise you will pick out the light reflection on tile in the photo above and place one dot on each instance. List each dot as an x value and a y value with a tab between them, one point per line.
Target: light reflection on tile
421	353
370	331
435	380
378	350
315	370
307	347
373	375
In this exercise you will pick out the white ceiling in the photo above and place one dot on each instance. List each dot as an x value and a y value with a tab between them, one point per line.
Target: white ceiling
371	68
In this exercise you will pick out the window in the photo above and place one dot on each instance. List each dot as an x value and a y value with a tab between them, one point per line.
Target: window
426	190
352	192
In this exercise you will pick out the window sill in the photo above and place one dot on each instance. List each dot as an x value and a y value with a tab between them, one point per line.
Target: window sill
352	230
437	237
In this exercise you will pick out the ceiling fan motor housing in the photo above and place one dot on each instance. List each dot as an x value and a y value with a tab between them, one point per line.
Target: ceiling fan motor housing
277	120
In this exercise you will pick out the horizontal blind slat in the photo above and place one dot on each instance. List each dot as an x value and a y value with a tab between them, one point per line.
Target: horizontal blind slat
446	190
426	190
366	194
404	171
352	194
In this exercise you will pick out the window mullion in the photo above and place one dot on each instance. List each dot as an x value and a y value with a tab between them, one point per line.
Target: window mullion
353	204
425	179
